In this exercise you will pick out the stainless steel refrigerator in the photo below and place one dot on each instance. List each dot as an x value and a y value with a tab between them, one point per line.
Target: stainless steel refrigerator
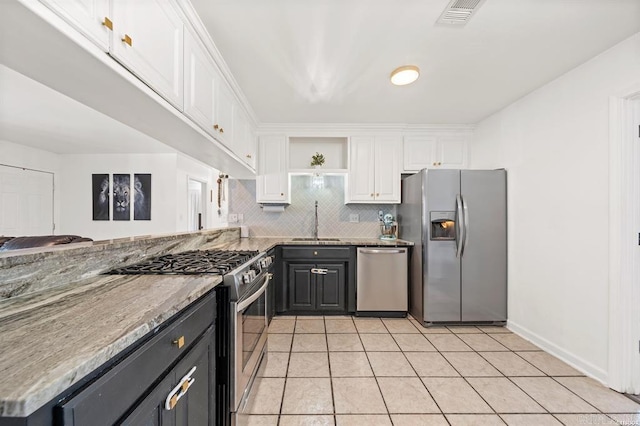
458	222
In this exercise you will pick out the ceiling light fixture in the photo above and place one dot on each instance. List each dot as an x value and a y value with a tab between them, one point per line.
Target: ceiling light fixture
405	75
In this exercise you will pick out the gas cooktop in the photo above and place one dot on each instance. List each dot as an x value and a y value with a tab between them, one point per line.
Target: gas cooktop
215	262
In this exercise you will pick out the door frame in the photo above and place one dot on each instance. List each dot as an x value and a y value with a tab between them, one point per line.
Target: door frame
203	200
624	251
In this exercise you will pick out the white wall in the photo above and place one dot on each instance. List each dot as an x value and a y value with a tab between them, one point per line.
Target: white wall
12	154
76	207
554	144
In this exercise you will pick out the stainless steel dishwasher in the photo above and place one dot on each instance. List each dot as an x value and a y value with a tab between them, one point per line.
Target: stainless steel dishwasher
382	287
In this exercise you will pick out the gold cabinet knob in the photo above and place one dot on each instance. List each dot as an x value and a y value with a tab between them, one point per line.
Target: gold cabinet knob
282	194
434	164
372	195
216	127
248	155
107	23
377	194
179	342
127	40
221	130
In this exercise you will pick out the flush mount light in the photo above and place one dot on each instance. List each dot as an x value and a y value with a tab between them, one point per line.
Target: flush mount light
405	75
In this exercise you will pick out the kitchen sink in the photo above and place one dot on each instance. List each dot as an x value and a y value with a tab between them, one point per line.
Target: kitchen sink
315	239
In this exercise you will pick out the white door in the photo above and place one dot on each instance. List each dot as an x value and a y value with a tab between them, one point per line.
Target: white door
419	152
387	169
361	169
196	205
90	17
272	181
26	202
199	84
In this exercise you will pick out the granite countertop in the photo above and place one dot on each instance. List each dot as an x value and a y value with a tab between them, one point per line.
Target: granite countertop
52	338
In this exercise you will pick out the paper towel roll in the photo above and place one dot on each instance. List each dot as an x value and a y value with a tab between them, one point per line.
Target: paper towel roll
272	208
244	231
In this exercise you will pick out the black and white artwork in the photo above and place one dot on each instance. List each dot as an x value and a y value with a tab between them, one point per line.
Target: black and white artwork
142	197
121	197
100	191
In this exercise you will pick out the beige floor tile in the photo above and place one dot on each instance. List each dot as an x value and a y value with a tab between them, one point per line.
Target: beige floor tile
470	364
406	395
399	325
504	396
419	420
390	364
274	365
474	420
482	342
530	420
626	419
510	364
454	395
495	329
282	326
549	364
552	395
515	342
290	420
310	317
265	397
448	342
279	342
309	343
363	420
435	329
307	396
413	342
604	399
357	395
369	325
431	364
349	364
284	317
379	342
585	419
337	317
309	325
344	342
308	364
340	326
459	329
256	420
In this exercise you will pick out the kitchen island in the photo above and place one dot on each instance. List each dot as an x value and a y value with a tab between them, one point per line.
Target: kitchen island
55	337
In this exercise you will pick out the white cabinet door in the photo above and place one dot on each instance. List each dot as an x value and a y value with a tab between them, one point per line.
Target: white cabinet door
387	169
147	38
199	84
361	169
224	112
243	142
272	181
435	150
419	152
452	152
90	17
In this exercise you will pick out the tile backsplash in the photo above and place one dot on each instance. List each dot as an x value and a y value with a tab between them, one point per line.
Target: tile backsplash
297	218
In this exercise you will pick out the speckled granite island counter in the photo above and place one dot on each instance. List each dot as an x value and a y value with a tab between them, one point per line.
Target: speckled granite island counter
264	243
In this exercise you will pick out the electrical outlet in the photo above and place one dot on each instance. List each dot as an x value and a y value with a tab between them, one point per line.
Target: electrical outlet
232	218
354	218
240	217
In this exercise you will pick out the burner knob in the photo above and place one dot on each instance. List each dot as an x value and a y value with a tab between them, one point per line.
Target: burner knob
246	278
266	262
252	274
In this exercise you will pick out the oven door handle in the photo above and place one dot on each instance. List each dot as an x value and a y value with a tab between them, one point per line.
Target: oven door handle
245	303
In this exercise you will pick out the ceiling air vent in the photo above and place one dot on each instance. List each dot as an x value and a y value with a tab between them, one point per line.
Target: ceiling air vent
458	12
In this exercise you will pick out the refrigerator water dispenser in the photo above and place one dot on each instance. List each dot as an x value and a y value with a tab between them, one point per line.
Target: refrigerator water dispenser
443	226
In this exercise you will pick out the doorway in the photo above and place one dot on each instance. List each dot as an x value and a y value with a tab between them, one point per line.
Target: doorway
26	202
196	205
624	244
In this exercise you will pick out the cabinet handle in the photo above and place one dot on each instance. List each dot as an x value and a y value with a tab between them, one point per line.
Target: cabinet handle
216	127
372	195
319	271
282	194
377	194
127	40
107	23
180	390
179	342
248	155
434	164
221	130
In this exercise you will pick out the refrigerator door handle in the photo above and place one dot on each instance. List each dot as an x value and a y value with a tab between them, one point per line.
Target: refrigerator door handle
465	214
460	227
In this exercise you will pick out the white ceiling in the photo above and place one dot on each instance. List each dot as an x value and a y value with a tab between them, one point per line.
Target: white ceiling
328	61
38	116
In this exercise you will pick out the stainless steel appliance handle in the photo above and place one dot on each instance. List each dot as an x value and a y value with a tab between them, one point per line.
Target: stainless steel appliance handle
382	251
459	225
465	211
245	303
319	271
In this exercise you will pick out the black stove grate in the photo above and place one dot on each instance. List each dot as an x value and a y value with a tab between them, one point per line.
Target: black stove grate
215	262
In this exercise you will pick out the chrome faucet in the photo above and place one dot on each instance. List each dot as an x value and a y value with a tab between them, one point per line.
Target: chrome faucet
315	223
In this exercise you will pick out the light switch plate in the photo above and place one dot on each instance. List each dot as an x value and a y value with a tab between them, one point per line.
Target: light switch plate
354	218
232	218
240	217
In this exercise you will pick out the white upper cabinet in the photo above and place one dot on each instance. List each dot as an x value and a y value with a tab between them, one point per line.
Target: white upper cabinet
90	17
243	136
199	84
272	182
147	38
224	113
374	169
445	150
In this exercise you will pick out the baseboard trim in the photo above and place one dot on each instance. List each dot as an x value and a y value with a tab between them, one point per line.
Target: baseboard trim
555	350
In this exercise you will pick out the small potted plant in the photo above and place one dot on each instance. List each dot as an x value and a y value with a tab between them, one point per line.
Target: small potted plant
317	160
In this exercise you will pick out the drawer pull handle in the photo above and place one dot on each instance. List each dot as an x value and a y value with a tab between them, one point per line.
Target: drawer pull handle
180	390
179	342
319	271
107	23
127	39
